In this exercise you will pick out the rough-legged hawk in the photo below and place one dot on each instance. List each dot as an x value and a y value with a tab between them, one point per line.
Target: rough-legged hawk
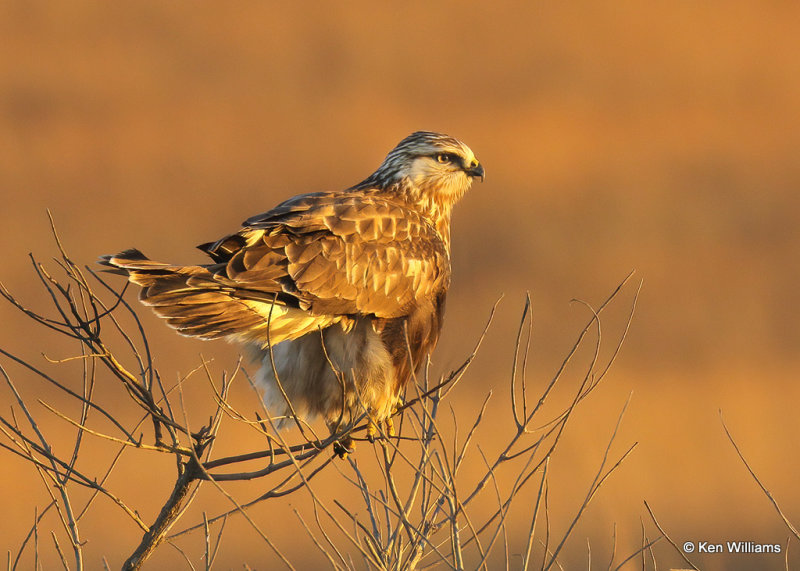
339	294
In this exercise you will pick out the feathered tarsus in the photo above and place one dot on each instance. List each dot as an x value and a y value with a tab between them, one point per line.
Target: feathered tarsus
341	293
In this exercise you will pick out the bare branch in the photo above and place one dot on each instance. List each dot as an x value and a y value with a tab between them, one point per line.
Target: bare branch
667	537
764	489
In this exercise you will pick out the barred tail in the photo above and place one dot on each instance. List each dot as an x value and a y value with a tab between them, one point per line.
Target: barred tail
199	301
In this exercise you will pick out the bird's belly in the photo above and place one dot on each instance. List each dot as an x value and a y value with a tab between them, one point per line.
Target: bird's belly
337	374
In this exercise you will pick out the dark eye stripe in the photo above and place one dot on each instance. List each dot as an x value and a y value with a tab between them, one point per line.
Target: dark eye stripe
451	157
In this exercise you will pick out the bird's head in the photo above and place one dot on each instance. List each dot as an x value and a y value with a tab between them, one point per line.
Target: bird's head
429	167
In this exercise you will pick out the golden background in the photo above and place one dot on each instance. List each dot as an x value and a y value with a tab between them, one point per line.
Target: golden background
661	138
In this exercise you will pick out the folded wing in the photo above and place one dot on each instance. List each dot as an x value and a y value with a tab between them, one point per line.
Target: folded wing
313	261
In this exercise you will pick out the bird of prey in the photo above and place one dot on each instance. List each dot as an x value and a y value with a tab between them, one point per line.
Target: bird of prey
340	295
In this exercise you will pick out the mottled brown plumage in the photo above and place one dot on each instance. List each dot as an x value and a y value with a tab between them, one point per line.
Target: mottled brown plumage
341	293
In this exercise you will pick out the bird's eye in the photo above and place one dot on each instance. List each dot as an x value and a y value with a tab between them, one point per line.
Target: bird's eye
444	158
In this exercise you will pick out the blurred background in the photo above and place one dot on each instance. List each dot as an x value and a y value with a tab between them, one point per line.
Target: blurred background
659	137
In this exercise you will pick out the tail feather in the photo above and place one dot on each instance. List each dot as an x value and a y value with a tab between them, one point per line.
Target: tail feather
131	259
200	301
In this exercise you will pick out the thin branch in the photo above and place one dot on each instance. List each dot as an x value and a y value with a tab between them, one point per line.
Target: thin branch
667	537
764	489
596	483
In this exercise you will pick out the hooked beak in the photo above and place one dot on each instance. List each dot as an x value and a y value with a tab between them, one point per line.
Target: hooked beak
475	169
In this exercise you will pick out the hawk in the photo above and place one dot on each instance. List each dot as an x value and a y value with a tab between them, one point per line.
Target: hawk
340	295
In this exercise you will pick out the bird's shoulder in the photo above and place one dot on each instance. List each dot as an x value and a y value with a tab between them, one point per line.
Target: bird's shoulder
351	216
336	211
337	253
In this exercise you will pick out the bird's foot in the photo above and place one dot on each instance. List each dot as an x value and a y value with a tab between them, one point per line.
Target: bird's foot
389	427
374	434
343	447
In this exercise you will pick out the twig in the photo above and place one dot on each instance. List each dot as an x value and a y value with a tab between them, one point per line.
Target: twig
596	484
764	489
667	537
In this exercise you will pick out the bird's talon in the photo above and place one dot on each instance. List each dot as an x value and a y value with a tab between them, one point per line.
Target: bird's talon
389	427
372	432
344	447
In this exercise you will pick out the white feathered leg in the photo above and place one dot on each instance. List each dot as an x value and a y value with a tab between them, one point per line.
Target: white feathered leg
338	375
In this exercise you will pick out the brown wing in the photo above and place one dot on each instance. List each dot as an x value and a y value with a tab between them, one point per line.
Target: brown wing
197	302
311	262
338	254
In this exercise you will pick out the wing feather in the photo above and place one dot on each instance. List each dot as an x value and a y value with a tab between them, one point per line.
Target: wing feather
313	261
345	255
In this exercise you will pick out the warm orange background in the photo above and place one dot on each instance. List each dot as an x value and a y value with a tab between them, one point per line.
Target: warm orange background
663	139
